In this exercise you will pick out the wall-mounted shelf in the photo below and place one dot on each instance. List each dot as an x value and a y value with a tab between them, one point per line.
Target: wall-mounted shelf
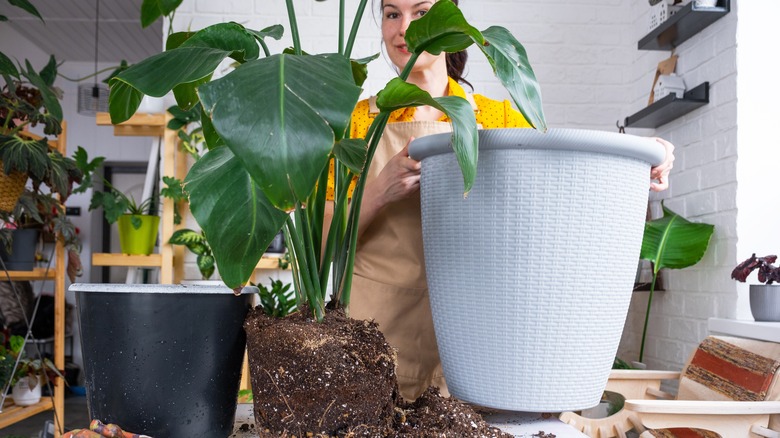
141	261
686	23
669	108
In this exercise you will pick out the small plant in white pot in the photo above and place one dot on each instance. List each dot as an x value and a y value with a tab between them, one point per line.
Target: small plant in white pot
764	298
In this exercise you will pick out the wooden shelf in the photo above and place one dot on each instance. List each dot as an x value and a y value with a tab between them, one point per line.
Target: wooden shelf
111	259
140	125
13	413
34	275
669	108
681	26
269	261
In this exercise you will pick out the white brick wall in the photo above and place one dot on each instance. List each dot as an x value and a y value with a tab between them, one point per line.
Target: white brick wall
703	189
585	57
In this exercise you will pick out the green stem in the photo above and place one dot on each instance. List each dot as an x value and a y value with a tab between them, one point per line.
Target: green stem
89	76
647	314
294	27
303	270
374	133
293	265
341	26
264	46
355	26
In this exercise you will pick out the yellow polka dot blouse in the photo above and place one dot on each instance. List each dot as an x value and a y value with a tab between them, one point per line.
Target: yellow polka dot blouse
490	114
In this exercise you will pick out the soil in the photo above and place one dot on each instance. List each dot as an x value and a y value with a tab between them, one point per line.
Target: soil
337	379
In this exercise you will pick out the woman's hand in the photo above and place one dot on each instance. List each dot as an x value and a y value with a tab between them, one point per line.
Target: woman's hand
660	173
399	179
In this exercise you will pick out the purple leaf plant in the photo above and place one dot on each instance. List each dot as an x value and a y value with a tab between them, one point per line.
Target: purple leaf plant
767	272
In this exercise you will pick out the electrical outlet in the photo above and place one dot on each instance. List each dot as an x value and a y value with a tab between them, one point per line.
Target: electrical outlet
72	211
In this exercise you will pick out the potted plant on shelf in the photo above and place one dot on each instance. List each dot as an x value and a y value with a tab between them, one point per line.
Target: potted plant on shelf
24	375
764	298
137	227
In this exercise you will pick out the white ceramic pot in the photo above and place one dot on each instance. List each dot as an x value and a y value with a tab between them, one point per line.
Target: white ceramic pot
530	277
765	302
24	395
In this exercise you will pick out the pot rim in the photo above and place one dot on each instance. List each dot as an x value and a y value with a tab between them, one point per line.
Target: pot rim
584	140
158	288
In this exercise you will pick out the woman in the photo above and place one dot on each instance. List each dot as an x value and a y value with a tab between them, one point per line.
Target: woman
389	284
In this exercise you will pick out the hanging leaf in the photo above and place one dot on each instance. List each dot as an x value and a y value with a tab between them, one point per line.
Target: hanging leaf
151	10
285	138
352	153
442	29
674	242
7	67
237	219
511	66
465	141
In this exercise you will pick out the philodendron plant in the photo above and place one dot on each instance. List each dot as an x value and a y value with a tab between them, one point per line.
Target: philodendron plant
275	122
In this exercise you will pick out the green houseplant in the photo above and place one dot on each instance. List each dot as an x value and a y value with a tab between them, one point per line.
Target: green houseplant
266	162
27	98
671	242
137	228
764	298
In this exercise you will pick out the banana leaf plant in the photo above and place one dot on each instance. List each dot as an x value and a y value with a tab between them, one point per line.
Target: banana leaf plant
274	123
671	242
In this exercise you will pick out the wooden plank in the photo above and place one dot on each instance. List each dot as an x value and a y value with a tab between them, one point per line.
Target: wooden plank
35	274
13	414
111	259
140	119
59	338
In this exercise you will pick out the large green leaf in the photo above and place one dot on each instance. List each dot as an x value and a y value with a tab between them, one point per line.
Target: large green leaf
511	66
284	126
465	141
238	220
674	242
123	101
195	59
360	68
50	100
442	29
25	156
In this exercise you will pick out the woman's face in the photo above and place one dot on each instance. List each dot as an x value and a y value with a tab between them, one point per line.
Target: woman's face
396	16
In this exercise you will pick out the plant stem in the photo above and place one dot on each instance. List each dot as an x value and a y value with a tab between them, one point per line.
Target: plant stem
294	27
355	27
375	134
89	76
293	265
647	314
341	26
303	270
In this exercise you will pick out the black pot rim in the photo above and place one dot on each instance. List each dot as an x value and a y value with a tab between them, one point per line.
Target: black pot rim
158	288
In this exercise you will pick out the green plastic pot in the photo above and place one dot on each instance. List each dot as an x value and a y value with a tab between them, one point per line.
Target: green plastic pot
138	241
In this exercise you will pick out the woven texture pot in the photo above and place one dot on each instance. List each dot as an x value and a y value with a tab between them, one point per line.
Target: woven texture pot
11	187
163	360
531	275
765	302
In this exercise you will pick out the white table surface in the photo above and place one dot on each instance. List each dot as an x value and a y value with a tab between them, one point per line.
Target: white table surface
520	424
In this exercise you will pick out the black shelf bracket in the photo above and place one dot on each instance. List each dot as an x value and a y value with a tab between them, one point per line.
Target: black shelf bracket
669	108
687	22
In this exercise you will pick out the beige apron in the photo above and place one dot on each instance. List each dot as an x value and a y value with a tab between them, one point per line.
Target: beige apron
389	284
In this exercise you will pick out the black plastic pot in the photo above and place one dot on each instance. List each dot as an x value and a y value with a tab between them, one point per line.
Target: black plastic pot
163	360
22	257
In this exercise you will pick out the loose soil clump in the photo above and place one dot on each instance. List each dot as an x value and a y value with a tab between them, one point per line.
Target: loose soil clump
337	379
